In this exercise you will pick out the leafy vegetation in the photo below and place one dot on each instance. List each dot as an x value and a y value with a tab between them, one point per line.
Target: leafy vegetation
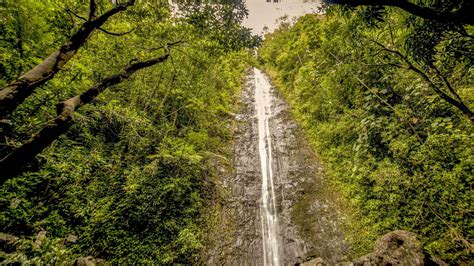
384	93
367	84
133	174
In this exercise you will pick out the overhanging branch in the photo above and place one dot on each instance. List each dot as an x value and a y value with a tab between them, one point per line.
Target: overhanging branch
417	10
17	91
14	163
458	103
115	33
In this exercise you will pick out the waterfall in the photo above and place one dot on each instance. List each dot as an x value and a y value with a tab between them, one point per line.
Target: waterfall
268	211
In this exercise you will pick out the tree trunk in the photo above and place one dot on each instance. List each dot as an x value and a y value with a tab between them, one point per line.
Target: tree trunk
13	163
17	91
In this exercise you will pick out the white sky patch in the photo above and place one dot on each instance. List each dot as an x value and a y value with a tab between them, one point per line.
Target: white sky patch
263	13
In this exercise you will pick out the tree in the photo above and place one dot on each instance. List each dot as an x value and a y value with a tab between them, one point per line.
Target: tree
388	115
12	95
220	19
15	161
147	145
462	14
448	94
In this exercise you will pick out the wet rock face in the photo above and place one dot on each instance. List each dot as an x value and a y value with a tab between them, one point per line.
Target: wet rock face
244	187
294	169
315	262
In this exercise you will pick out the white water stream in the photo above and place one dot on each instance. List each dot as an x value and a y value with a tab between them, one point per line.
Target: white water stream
268	212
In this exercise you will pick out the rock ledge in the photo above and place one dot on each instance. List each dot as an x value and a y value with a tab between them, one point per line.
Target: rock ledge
395	248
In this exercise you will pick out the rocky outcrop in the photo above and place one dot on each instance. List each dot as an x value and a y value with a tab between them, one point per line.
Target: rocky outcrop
395	248
39	239
89	261
7	242
315	262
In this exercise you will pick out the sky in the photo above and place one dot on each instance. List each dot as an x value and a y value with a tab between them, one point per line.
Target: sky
263	13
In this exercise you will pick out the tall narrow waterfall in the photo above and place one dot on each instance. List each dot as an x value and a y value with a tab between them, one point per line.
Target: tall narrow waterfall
268	211
273	170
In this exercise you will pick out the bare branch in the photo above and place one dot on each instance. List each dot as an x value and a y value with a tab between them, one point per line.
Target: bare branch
447	83
101	29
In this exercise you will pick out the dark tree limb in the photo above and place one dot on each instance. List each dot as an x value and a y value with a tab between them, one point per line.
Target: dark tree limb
164	46
116	33
16	92
13	163
417	10
456	101
447	83
69	11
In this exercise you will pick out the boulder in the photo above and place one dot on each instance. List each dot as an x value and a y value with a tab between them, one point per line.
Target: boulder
8	242
396	248
315	262
39	239
70	239
88	261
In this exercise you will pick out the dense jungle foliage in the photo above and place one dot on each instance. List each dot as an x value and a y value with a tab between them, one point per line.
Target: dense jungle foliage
131	179
119	135
365	83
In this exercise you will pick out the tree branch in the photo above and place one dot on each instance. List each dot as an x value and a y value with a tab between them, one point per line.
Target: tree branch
100	28
69	11
417	10
381	99
115	33
458	103
14	163
17	91
447	83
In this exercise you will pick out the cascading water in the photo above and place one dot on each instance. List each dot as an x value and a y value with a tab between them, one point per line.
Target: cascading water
257	224
268	212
